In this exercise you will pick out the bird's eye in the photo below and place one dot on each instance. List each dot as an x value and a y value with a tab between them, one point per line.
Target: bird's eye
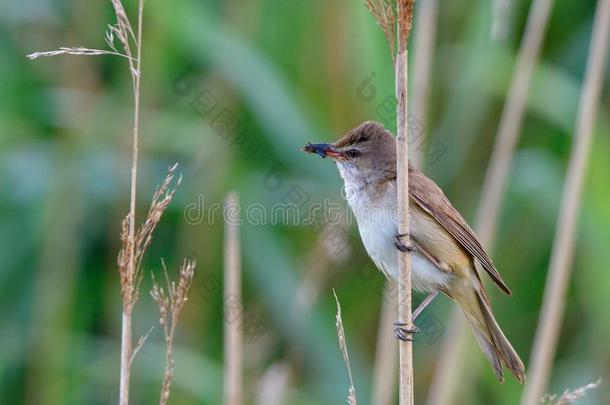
353	153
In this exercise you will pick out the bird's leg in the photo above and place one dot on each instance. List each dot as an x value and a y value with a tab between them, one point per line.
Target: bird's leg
424	304
403	247
403	333
406	334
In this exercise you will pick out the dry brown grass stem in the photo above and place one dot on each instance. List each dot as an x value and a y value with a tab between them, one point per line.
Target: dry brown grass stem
140	343
233	313
554	301
569	397
351	394
171	301
450	377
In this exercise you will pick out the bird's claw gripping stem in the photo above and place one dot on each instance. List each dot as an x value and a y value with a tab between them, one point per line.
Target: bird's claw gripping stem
403	247
413	246
404	334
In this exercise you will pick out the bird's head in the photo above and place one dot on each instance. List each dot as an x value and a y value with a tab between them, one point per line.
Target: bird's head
367	153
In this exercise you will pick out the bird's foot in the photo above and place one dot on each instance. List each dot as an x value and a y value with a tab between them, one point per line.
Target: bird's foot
404	334
403	247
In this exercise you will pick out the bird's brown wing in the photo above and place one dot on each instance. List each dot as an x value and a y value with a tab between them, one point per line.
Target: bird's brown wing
426	194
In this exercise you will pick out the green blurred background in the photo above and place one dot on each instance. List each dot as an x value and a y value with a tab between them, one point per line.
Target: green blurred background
231	90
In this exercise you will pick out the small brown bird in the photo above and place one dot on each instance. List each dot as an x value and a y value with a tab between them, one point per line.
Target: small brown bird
446	251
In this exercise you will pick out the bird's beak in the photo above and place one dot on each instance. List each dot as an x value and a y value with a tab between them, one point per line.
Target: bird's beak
322	149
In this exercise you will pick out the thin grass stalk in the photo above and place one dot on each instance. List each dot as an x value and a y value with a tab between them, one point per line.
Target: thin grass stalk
385	368
126	320
570	396
351	393
448	378
554	301
232	304
126	339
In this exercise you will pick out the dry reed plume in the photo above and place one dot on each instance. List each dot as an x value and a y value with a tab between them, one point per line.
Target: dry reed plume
383	12
133	244
395	19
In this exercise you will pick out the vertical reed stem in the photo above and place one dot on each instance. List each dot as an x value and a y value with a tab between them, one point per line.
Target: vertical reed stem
232	304
384	376
404	11
553	305
404	259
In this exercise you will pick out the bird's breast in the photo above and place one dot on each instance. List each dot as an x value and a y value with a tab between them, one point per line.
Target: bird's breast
377	223
377	230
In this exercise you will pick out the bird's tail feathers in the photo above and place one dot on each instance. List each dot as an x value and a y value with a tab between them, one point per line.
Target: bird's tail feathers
491	339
